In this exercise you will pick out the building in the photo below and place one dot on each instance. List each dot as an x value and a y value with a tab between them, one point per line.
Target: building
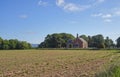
77	43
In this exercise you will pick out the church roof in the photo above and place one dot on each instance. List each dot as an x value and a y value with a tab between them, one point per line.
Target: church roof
82	40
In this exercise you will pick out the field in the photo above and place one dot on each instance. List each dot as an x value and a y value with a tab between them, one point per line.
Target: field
55	63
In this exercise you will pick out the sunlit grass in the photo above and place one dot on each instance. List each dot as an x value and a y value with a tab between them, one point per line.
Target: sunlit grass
55	63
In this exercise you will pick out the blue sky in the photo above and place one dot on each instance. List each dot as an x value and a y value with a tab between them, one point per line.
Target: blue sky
32	20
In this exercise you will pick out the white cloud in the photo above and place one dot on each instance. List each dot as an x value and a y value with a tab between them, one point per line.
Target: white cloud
24	16
97	15
106	16
117	13
70	6
96	2
60	2
100	1
107	20
42	3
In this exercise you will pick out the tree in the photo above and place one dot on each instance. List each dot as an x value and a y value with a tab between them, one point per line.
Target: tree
118	42
1	42
56	40
23	45
90	41
12	43
5	44
108	42
98	41
42	45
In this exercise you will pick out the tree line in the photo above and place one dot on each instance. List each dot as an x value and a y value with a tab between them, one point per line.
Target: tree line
59	40
14	44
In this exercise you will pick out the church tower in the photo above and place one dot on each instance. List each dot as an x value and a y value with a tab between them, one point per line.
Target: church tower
77	35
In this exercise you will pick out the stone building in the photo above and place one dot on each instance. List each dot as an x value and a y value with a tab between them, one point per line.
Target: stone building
77	43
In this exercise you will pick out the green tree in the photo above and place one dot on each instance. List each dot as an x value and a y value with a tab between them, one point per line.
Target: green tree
12	44
5	44
90	41
29	46
98	41
108	43
56	40
23	45
118	42
1	42
42	45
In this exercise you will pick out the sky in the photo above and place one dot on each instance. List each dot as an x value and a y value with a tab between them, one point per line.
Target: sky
32	20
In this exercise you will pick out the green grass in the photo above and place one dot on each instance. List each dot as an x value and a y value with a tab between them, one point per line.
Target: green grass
113	71
55	63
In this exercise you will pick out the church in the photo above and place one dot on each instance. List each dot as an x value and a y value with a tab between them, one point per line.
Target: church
77	43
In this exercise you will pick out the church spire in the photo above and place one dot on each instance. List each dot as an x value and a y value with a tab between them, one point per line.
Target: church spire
77	35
